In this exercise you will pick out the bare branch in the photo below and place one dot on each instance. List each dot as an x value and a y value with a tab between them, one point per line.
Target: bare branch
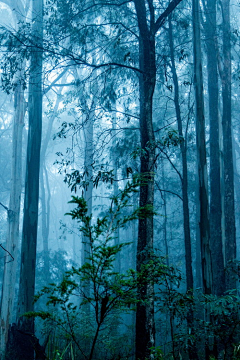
163	17
8	254
168	191
5	207
55	81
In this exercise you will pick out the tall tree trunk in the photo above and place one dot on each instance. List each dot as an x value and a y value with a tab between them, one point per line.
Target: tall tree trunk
45	190
88	191
117	264
236	148
45	221
229	206
9	276
216	240
30	216
145	327
184	179
201	154
12	243
148	27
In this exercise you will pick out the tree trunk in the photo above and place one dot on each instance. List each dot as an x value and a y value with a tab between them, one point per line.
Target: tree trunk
201	154
45	221
9	277
148	27
45	190
12	243
216	243
229	206
117	264
88	165
145	327
184	179
30	216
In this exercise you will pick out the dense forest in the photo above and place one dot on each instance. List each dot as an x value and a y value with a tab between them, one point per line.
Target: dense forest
119	179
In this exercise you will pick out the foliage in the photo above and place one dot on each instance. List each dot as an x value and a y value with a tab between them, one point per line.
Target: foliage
86	303
95	286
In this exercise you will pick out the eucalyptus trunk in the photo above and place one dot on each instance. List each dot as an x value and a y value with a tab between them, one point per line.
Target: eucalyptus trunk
10	267
117	264
88	191
45	201
204	224
30	213
184	180
45	191
229	204
145	327
216	236
148	27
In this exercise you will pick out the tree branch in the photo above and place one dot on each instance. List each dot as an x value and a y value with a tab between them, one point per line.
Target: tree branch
8	253
168	191
5	207
55	81
162	18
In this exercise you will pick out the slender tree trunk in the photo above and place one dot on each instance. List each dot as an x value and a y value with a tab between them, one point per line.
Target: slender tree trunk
30	218
45	190
12	243
201	154
115	184
145	327
236	148
9	277
45	222
148	27
229	205
184	179
204	224
88	191
215	182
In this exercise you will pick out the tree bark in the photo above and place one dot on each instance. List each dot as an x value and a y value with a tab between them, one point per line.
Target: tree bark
201	154
30	216
148	27
45	190
88	191
45	221
145	327
229	205
12	243
9	276
184	180
216	240
117	264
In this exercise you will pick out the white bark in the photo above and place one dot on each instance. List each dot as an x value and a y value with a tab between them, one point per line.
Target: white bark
9	277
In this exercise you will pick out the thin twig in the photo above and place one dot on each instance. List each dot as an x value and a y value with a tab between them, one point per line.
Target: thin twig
5	207
8	254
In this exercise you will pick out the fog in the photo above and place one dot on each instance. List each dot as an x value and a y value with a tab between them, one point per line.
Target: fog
119	180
